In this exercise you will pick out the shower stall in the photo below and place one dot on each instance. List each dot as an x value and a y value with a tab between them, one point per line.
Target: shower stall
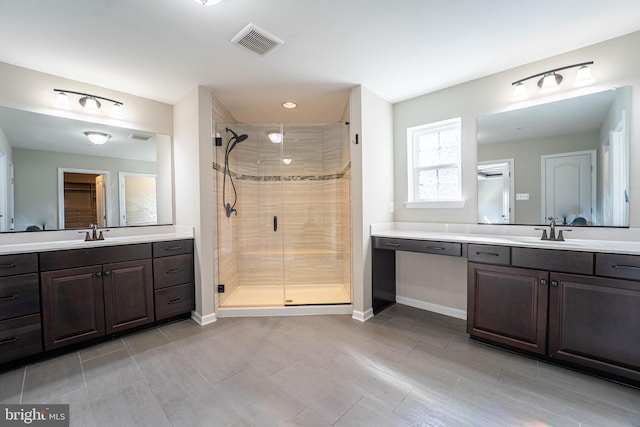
283	212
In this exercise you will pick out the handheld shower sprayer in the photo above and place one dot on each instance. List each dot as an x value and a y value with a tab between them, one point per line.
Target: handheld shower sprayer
231	144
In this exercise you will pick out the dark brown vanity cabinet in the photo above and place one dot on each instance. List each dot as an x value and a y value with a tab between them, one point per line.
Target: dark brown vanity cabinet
508	305
595	322
173	278
20	333
87	293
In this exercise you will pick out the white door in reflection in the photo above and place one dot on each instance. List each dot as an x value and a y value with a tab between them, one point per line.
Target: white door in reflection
138	201
495	192
569	187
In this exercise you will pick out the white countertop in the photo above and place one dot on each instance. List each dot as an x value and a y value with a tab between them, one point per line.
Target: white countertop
627	240
24	242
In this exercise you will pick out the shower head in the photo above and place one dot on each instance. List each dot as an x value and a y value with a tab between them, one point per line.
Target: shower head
236	140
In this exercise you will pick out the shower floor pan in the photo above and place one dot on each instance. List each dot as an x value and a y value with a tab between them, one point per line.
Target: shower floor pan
273	295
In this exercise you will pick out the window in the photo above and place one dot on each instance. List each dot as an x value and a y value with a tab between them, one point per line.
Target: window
435	152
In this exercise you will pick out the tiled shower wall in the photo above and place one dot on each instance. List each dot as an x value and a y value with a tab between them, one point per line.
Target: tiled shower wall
310	198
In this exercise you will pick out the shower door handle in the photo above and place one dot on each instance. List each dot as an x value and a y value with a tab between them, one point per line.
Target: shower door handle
275	223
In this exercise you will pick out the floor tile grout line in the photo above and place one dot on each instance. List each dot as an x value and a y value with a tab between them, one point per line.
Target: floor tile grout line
24	379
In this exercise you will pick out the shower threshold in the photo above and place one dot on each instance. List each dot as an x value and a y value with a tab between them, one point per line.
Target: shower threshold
296	295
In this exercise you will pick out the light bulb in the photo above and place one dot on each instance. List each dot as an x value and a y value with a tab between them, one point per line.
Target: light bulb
584	76
550	83
116	111
519	92
62	101
275	137
90	105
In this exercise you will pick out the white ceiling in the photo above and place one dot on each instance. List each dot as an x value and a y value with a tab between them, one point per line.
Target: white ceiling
162	49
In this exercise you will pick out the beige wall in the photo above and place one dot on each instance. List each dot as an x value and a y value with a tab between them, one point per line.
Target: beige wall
371	185
616	64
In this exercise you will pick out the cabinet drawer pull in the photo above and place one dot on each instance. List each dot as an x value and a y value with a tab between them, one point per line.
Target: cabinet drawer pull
175	270
173	248
175	301
436	248
626	267
10	297
395	245
487	253
10	340
7	265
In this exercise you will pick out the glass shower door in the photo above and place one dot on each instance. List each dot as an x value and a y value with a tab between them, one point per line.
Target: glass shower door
316	210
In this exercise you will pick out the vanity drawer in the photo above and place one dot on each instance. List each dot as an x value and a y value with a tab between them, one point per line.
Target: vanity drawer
423	246
11	265
553	260
489	254
618	266
174	270
174	300
173	247
72	258
19	295
20	337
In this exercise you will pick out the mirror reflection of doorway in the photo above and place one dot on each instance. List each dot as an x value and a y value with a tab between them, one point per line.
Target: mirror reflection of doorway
496	192
138	201
82	198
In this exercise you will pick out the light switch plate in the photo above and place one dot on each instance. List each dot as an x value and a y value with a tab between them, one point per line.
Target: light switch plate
522	196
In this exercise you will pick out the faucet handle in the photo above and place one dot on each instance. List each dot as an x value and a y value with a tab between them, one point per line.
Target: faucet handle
101	237
87	237
544	233
560	237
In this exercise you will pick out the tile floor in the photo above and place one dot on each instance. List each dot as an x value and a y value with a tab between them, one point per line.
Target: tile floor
403	367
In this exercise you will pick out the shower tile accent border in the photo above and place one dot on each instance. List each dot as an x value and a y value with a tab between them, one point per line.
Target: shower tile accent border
272	178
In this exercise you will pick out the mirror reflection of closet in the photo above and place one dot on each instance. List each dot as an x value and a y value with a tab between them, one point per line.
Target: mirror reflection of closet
83	200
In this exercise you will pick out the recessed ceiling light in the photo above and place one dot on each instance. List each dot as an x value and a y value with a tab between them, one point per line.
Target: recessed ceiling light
274	136
289	105
208	2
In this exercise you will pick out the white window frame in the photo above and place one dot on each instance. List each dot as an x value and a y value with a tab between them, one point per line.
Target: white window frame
413	170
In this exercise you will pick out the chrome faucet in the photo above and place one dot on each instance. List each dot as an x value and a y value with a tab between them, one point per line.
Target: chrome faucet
552	231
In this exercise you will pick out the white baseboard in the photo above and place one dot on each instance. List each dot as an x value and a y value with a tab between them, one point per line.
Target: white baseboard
436	308
362	316
302	310
203	320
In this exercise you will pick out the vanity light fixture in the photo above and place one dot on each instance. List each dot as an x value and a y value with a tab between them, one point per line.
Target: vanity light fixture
289	105
90	103
208	2
97	138
550	80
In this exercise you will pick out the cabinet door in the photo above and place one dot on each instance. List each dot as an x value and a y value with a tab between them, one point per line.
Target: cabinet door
508	306
128	295
593	322
72	306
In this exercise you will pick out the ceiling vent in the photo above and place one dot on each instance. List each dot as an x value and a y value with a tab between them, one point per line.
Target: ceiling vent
256	40
139	137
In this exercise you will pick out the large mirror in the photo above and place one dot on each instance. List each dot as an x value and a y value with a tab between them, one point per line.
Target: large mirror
567	159
53	177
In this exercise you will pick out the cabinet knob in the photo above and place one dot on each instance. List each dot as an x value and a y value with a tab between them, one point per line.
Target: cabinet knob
107	273
554	283
99	274
543	282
